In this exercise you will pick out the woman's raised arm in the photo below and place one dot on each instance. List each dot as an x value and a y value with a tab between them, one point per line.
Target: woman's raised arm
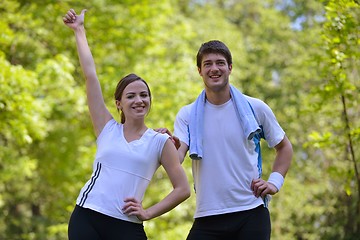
98	111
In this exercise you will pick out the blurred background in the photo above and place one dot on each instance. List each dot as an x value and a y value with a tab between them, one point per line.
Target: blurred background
301	57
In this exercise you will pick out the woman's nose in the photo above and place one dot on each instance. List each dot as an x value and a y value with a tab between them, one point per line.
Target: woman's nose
138	99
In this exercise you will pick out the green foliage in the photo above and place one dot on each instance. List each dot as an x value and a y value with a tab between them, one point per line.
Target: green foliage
301	57
338	98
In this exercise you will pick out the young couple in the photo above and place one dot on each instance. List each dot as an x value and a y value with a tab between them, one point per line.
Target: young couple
221	130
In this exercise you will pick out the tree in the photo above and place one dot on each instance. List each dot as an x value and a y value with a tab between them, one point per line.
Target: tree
299	56
338	99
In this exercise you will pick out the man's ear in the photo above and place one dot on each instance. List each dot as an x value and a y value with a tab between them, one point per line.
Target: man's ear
230	67
199	70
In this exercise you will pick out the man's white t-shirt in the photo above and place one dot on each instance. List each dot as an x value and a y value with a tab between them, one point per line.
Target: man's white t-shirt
223	177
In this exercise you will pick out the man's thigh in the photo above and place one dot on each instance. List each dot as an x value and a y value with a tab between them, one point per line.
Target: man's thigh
257	226
250	224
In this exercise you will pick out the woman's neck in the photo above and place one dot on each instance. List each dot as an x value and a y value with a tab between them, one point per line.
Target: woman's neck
133	130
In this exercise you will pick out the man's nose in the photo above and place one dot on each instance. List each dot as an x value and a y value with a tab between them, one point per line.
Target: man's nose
214	67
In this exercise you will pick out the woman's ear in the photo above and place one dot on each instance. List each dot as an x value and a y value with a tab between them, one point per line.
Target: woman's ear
118	104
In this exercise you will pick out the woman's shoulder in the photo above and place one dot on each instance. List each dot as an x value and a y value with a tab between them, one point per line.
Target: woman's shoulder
155	138
151	132
110	126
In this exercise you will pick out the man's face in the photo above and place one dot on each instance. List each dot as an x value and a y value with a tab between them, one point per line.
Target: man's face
215	71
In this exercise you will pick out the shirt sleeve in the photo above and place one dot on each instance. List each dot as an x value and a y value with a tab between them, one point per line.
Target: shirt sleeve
273	132
110	124
181	125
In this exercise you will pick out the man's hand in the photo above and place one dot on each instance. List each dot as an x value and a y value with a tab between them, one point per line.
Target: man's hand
173	138
261	187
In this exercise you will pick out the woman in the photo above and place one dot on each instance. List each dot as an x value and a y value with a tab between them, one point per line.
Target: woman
128	154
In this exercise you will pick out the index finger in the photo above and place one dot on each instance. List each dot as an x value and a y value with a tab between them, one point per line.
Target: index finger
255	181
130	199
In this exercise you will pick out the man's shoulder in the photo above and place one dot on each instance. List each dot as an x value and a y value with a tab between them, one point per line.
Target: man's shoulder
187	108
184	112
258	106
252	99
255	102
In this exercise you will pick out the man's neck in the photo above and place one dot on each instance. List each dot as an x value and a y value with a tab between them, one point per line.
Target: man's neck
218	97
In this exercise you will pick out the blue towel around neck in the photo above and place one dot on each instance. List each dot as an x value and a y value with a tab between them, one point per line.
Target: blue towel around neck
243	111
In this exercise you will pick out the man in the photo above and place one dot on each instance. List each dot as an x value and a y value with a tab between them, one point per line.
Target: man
222	130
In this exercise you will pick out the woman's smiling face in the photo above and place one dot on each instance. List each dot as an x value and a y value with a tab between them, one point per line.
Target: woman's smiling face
135	100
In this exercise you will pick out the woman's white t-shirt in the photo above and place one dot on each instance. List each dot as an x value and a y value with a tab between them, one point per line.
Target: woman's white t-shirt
121	169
